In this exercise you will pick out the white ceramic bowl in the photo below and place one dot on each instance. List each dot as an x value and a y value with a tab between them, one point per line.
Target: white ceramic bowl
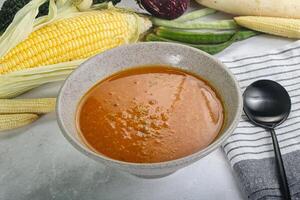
180	56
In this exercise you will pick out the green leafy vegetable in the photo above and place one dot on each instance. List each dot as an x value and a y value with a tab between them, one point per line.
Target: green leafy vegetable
11	7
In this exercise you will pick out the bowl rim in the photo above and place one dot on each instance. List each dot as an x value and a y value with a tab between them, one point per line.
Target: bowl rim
158	165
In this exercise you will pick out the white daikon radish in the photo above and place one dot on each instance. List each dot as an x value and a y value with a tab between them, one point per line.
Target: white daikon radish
272	8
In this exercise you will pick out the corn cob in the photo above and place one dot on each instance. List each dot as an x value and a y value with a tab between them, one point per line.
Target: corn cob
11	121
73	38
16	83
38	106
277	26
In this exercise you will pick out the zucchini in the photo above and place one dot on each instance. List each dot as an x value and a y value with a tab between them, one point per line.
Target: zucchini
194	37
209	48
195	25
195	15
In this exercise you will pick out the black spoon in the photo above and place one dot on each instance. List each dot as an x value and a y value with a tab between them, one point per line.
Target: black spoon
268	104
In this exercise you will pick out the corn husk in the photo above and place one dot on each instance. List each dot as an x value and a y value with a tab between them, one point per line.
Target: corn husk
16	83
25	22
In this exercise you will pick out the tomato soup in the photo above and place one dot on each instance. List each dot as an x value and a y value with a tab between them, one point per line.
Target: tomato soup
150	114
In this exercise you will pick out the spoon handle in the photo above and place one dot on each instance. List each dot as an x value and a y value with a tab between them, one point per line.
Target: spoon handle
283	178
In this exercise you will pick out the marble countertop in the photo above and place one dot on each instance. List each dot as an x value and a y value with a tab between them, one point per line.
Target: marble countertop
37	163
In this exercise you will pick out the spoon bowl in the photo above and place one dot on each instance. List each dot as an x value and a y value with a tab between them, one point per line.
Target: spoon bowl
267	104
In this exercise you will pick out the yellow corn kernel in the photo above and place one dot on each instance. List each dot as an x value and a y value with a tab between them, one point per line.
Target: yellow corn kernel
74	38
39	106
11	121
273	25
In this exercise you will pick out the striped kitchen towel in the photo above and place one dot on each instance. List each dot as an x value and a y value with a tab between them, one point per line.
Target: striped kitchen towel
249	149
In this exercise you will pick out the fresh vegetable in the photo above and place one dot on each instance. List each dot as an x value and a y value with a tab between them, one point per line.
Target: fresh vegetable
17	106
16	83
11	121
209	48
20	112
50	47
73	38
103	1
166	9
188	30
194	37
272	8
195	14
220	24
277	26
83	5
11	7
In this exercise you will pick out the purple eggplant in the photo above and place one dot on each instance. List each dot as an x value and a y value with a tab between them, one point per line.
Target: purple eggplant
166	9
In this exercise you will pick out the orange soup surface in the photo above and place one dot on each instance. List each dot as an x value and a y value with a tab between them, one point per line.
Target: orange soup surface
150	114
